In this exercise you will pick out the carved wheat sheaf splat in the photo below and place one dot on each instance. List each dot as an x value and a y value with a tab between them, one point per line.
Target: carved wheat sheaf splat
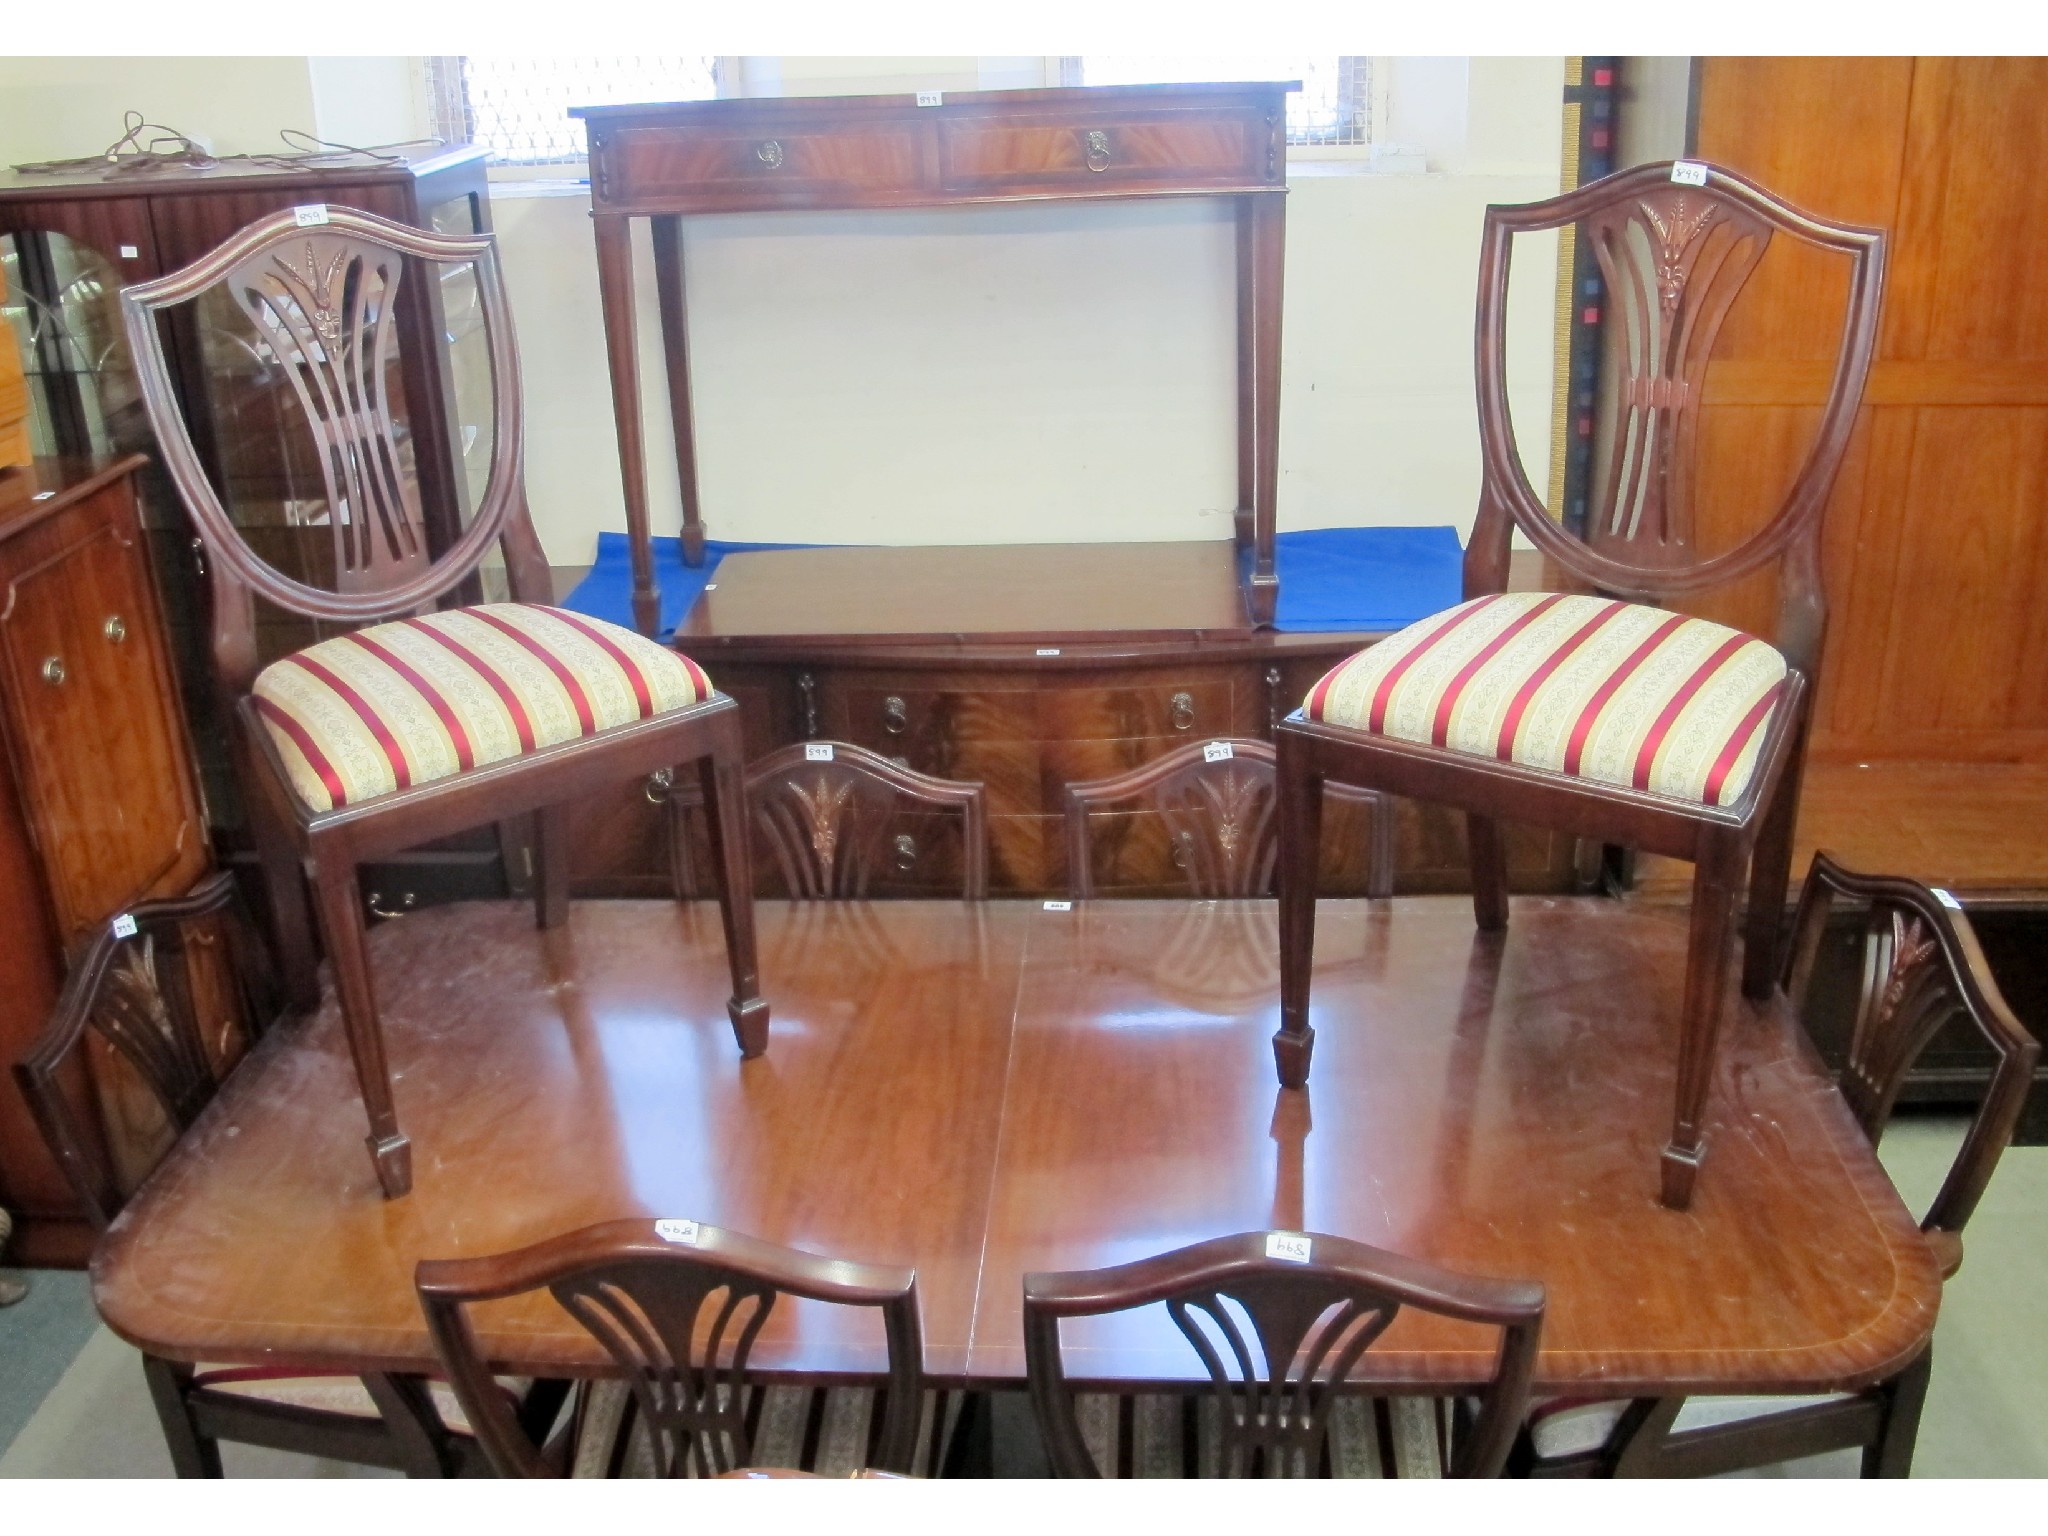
1673	264
824	825
329	312
134	1014
1275	1381
1907	997
691	1398
1220	819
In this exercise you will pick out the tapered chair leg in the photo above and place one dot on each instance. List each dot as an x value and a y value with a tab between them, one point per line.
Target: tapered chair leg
1714	888
1770	878
551	866
721	773
341	923
291	918
1298	813
1489	873
192	1453
1892	1454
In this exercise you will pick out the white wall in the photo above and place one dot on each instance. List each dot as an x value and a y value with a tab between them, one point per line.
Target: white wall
977	375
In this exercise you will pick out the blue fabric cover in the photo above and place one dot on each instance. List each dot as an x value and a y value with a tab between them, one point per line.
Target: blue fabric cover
1332	580
607	591
1338	580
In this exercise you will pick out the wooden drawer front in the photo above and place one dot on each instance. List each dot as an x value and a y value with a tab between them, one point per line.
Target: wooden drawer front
910	721
765	168
992	155
92	714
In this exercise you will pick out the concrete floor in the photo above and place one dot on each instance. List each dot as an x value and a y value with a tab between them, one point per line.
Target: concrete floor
72	1401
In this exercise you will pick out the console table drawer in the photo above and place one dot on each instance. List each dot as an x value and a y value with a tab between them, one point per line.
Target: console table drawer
767	167
1115	153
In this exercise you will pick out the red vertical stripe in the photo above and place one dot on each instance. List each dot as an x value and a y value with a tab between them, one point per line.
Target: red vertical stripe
1724	765
1321	691
315	758
571	683
1378	720
617	652
1505	748
476	664
1646	756
1590	715
465	754
1440	728
373	722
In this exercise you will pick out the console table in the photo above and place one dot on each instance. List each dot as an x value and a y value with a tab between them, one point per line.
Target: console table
931	150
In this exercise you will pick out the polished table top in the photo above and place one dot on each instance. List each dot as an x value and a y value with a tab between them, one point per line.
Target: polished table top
984	1090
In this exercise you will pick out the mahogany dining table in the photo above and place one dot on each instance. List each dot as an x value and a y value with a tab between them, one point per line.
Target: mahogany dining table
984	1089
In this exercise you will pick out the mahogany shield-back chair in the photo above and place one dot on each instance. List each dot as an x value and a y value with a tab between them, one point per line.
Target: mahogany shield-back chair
1599	713
844	822
1922	972
425	719
1213	803
174	992
678	1305
1280	1322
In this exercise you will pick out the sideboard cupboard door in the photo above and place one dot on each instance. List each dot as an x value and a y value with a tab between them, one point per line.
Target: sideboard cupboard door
92	713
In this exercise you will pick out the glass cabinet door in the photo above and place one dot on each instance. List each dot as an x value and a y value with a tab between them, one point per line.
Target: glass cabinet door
63	305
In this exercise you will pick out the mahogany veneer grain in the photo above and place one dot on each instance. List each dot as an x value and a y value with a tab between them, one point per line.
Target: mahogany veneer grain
989	1089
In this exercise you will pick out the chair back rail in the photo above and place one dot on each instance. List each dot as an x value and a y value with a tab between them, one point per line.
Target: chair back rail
1217	810
833	823
323	300
1673	259
679	1314
133	988
1922	970
1311	1322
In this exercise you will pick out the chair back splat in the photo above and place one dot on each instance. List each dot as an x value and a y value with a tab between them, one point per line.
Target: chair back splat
1673	259
679	1307
178	990
845	823
320	303
1213	802
1281	1323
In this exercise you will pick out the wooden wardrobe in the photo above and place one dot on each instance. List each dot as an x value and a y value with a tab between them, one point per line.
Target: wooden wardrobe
1937	537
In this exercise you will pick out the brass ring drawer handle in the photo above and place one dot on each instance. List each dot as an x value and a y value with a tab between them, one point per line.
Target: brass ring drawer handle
53	671
906	852
661	785
1182	708
895	715
114	629
405	903
1096	145
769	153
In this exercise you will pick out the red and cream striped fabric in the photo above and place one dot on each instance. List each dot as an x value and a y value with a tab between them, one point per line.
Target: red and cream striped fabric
1585	686
402	704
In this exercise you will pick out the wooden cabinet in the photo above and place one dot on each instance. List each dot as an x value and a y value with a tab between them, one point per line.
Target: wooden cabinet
98	805
1025	668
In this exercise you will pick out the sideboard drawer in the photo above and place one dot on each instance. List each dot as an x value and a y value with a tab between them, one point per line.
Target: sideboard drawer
995	154
765	167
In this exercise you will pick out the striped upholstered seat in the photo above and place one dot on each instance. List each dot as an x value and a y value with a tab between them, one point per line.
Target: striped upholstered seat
1585	686
402	704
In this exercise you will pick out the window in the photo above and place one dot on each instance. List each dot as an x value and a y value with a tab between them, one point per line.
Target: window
519	105
1332	106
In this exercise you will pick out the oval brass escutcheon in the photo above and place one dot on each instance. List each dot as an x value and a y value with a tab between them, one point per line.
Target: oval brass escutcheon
114	629
53	671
